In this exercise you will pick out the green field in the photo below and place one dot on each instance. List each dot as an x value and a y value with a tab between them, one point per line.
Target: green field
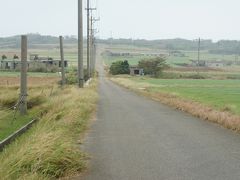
30	74
219	94
9	124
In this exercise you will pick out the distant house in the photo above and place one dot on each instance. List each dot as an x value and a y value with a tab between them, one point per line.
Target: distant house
136	71
212	64
177	54
34	64
131	54
9	64
119	54
198	63
216	64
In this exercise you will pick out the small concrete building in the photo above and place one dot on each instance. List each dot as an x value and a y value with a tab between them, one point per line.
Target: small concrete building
136	71
216	64
9	64
33	65
212	64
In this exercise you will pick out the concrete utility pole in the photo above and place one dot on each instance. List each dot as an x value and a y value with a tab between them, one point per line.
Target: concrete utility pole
80	45
94	55
88	38
199	45
62	61
23	95
91	54
93	46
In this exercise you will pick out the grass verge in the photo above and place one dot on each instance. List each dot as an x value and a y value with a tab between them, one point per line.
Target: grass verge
49	149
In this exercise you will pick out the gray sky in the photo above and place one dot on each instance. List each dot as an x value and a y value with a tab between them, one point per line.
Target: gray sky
149	19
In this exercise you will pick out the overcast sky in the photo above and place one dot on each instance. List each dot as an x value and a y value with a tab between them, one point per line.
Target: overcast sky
149	19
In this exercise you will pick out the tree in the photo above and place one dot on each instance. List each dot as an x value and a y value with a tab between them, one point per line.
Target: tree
4	57
153	66
15	56
120	67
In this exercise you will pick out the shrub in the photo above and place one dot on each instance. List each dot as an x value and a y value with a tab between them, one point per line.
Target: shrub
120	67
153	66
38	69
72	76
15	56
196	76
4	57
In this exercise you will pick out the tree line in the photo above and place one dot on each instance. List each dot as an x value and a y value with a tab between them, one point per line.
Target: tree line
220	47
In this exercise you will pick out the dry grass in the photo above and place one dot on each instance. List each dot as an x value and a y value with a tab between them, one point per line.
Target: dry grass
49	150
32	81
224	117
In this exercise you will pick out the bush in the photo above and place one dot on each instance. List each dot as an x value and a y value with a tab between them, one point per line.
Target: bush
4	57
196	76
153	66
120	67
72	76
15	56
38	69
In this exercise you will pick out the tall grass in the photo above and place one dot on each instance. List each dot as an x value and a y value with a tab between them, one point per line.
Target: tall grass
49	150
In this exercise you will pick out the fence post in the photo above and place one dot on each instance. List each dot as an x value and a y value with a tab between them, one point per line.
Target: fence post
23	95
62	61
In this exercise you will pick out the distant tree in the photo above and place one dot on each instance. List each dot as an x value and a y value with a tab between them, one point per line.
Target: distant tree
4	57
153	66
120	67
15	56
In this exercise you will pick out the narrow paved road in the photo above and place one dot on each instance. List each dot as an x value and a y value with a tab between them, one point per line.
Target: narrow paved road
138	139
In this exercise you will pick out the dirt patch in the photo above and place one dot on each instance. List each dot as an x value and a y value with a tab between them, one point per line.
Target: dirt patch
33	81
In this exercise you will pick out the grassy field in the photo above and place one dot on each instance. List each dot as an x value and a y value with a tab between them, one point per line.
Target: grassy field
219	94
39	90
50	149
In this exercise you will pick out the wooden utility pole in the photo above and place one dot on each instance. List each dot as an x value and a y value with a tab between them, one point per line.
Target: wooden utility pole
23	93
62	61
80	45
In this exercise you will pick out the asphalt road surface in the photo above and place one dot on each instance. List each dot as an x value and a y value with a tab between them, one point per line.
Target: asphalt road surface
135	138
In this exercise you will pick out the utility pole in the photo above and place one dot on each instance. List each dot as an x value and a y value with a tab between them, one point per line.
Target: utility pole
88	39
94	55
62	61
93	46
23	93
91	51
80	45
199	46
